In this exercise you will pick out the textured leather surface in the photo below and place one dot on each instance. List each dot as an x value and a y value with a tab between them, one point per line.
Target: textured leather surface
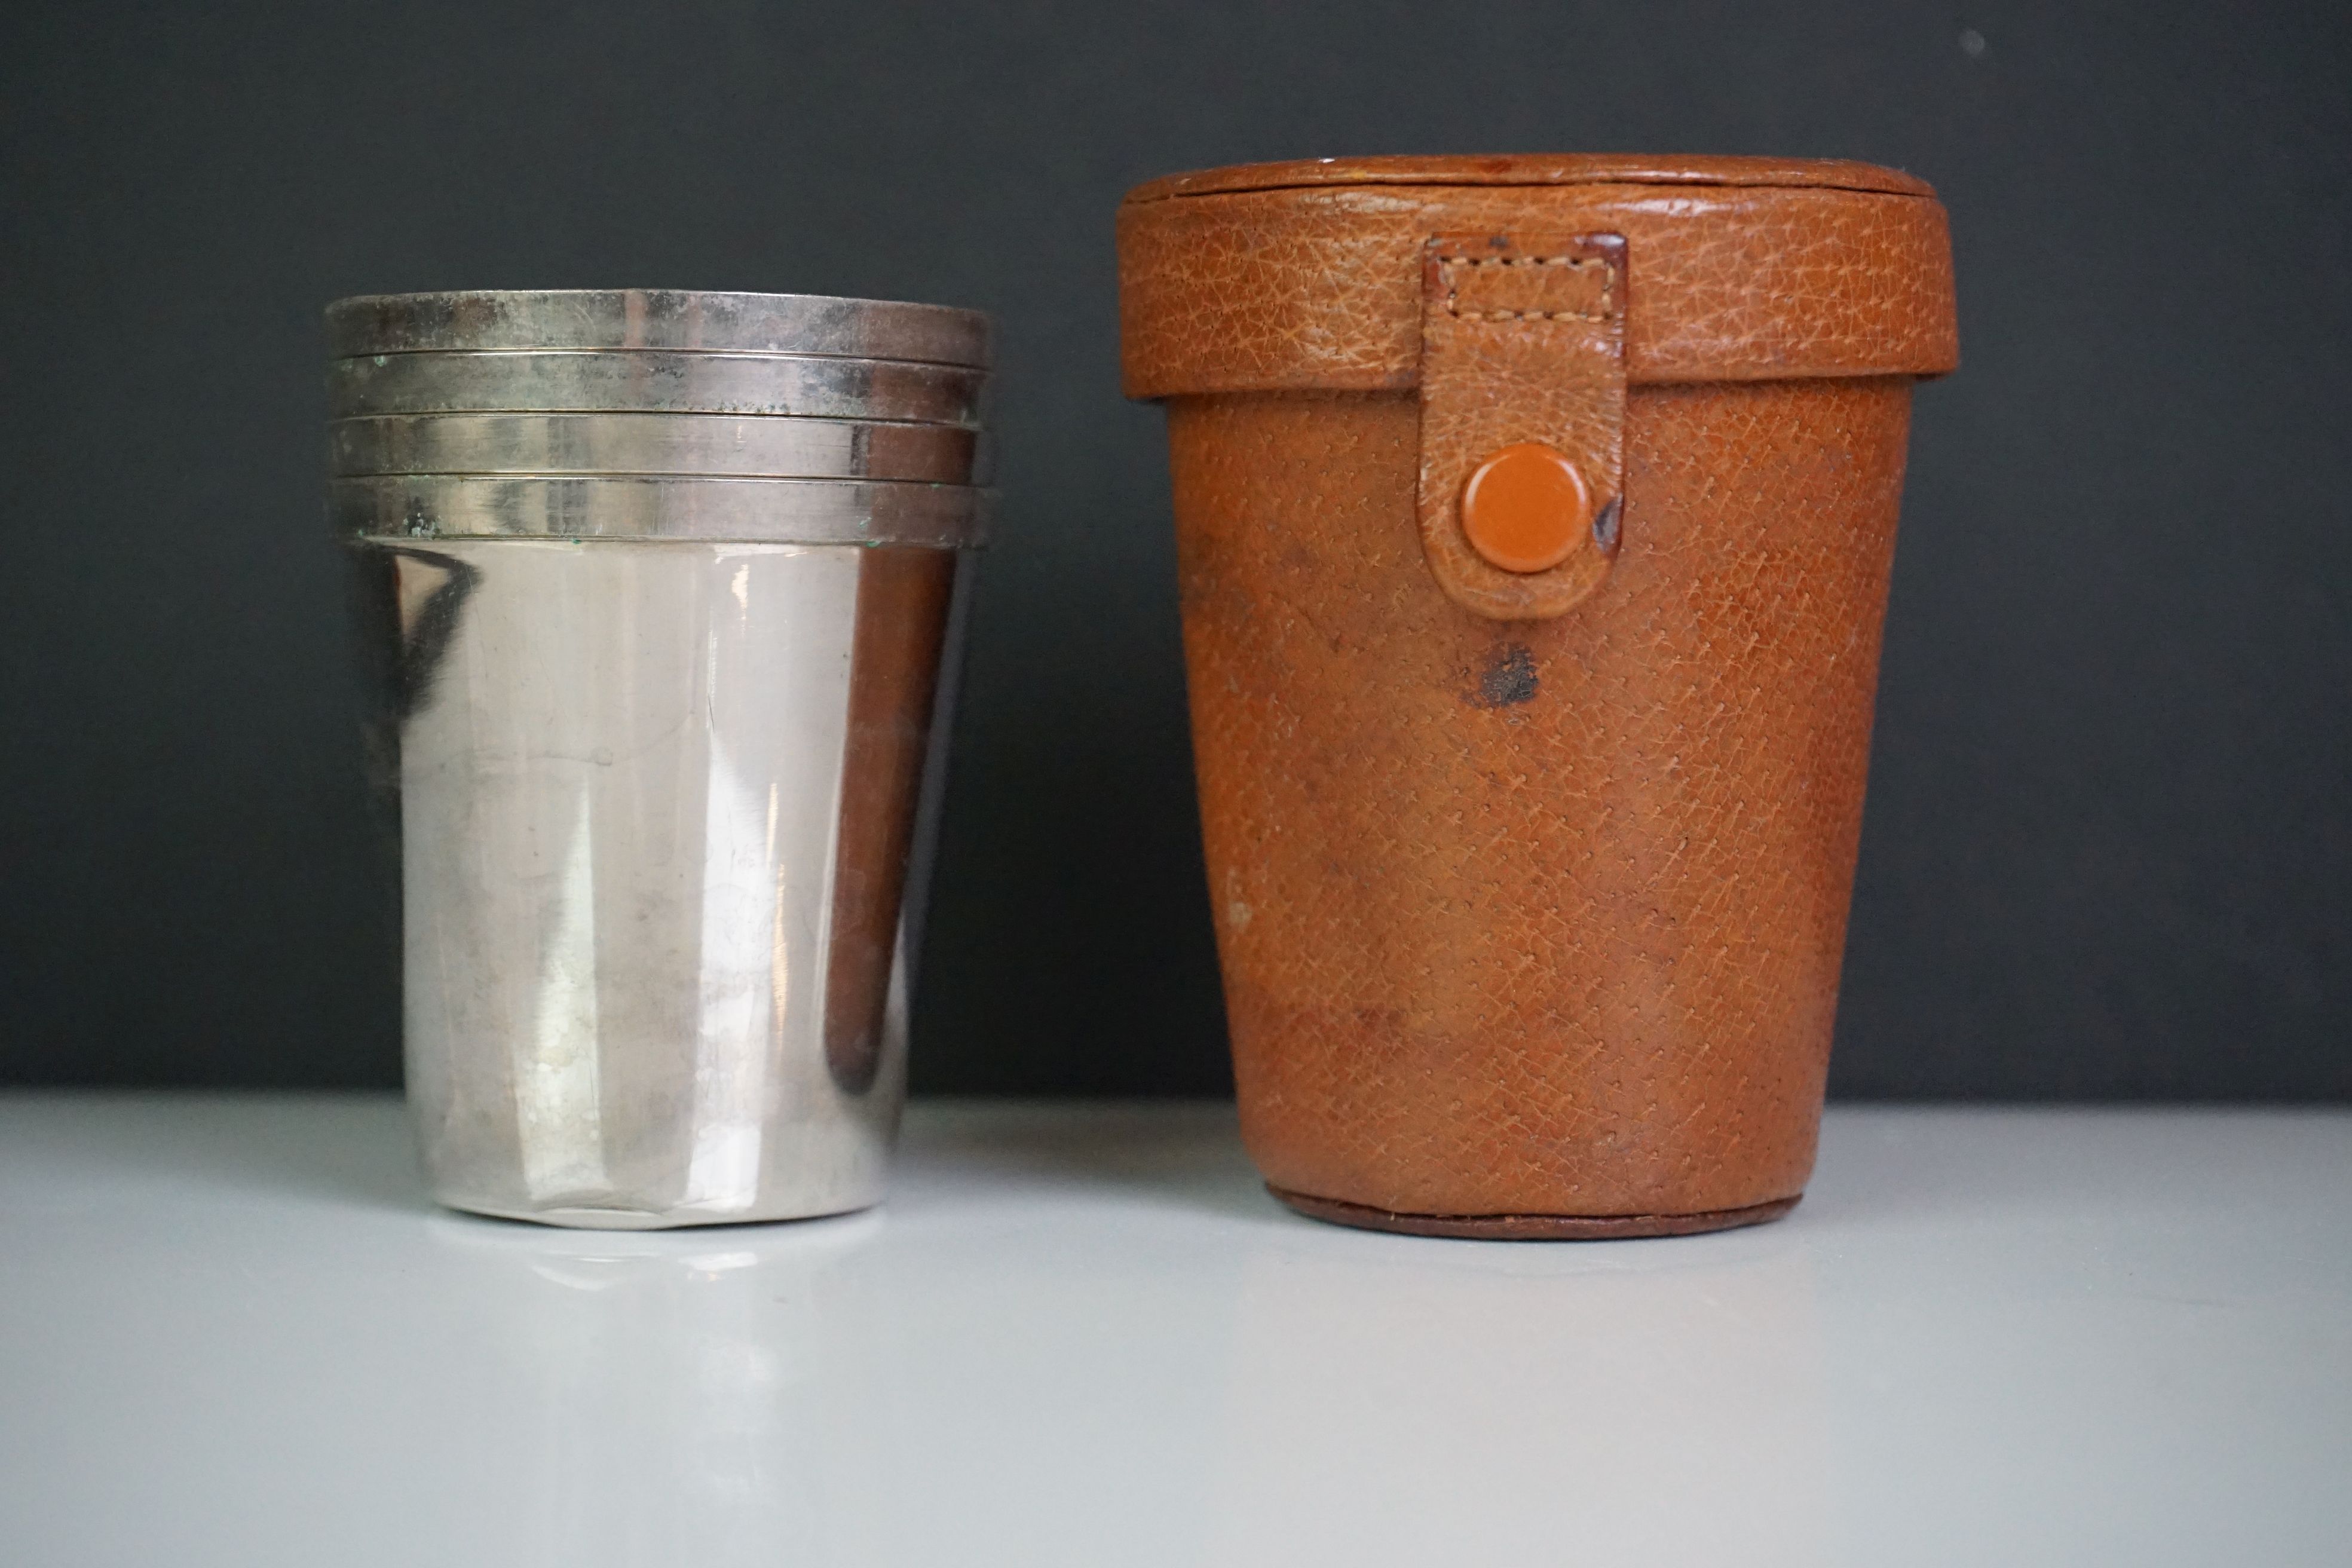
1522	339
1536	917
1532	927
1320	287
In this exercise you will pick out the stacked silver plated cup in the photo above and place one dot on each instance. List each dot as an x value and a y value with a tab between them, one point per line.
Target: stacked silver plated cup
658	592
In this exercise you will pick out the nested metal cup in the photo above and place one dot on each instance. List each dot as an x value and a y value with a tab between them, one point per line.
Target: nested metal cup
681	321
648	380
660	700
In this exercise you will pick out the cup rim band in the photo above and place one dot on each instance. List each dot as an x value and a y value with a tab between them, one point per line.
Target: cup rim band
526	443
578	508
690	320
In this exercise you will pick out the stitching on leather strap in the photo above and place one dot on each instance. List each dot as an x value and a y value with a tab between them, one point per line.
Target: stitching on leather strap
1573	263
1522	341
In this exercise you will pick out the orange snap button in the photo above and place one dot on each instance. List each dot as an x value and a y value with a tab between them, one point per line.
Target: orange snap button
1527	507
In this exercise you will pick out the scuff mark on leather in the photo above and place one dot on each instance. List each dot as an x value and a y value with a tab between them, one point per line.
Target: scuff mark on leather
1509	678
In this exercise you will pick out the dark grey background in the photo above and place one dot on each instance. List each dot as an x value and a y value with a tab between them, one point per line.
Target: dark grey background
2109	844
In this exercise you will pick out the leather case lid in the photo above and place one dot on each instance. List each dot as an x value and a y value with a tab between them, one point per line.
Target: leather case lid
1538	169
1306	276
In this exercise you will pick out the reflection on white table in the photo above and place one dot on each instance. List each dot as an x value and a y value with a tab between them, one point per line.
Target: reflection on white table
233	1332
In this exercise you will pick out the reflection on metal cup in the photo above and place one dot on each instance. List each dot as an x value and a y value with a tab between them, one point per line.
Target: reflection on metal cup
663	745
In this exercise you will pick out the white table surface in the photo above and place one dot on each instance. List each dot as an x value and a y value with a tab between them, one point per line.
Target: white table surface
233	1331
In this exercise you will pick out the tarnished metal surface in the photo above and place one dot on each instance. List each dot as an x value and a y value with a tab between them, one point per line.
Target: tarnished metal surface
590	381
656	319
745	444
792	511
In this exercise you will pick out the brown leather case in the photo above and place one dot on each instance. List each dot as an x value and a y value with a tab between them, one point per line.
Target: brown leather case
1531	884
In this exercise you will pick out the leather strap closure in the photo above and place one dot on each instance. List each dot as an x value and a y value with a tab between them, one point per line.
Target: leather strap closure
1522	381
